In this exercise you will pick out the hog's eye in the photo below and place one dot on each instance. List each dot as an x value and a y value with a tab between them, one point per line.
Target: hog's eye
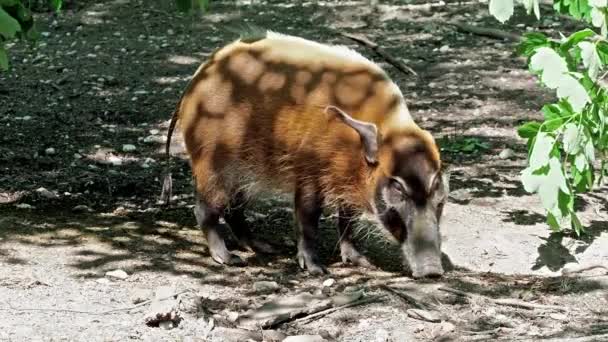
398	187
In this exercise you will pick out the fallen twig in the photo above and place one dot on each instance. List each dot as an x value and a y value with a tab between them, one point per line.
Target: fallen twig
486	32
319	314
129	308
378	50
505	302
575	270
411	300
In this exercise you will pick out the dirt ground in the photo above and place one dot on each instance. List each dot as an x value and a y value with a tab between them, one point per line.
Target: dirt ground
106	74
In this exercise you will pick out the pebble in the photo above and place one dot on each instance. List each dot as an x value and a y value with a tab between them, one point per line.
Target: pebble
507	153
117	274
154	131
77	156
265	286
329	282
81	208
49	151
304	338
46	193
24	206
153	139
128	148
103	281
114	160
444	48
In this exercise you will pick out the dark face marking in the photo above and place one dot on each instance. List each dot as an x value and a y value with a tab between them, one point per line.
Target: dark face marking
412	200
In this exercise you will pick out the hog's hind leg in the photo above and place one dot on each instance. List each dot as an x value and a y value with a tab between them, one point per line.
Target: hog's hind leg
348	251
236	219
208	219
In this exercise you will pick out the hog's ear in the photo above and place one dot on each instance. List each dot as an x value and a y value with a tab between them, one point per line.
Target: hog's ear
367	131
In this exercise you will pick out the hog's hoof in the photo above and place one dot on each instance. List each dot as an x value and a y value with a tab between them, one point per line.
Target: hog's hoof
350	255
310	263
222	256
258	246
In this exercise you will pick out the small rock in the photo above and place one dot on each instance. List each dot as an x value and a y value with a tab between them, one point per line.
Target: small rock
46	193
81	208
103	281
128	148
49	151
170	31
153	139
45	34
444	48
114	160
154	131
558	316
24	206
424	315
507	153
167	325
26	118
305	338
329	282
265	286
117	274
77	156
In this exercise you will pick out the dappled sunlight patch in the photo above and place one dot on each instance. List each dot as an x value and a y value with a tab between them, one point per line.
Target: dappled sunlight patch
183	60
164	80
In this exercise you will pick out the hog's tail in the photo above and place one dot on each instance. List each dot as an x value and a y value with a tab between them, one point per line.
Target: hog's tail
167	189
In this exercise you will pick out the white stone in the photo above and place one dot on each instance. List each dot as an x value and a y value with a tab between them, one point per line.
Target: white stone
265	286
114	160
506	153
444	48
128	148
24	206
329	282
46	193
117	274
50	151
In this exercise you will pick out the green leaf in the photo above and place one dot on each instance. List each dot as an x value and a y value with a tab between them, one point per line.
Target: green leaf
8	25
551	66
576	224
591	60
531	42
572	139
547	186
56	4
528	130
571	89
541	150
602	51
3	59
577	37
553	223
501	9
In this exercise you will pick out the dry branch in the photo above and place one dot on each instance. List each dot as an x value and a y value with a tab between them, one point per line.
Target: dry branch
575	270
486	32
505	302
320	314
409	299
111	311
381	52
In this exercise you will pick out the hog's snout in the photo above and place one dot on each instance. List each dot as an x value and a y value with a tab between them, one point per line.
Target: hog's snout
428	272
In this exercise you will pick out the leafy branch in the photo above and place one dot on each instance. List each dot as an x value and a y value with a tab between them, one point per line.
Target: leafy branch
563	148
